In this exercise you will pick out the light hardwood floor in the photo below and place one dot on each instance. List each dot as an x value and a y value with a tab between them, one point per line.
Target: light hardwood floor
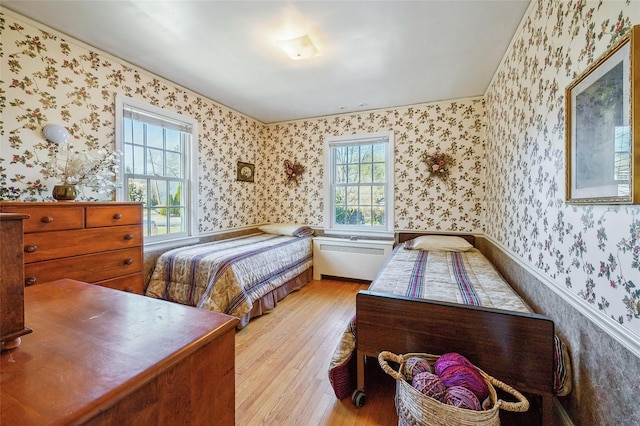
282	360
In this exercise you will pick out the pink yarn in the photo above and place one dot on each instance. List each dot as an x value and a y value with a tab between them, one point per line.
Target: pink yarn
415	365
462	397
430	385
449	359
465	376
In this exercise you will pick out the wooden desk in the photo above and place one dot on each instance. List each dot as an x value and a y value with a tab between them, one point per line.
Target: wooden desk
106	357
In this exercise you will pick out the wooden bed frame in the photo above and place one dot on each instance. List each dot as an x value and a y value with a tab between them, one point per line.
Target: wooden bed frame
516	348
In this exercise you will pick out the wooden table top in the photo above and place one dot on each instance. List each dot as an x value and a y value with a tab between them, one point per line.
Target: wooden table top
91	346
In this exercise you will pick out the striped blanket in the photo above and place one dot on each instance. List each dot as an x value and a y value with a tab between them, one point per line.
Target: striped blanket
228	276
455	277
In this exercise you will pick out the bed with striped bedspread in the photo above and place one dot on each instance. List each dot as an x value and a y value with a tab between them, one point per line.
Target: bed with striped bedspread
455	277
228	276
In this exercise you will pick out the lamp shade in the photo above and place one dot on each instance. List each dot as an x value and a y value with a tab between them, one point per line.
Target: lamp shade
299	48
55	133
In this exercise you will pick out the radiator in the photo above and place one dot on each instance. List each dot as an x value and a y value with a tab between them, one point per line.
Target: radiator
340	257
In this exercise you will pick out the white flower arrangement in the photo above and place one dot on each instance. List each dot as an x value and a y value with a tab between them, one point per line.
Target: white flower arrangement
96	169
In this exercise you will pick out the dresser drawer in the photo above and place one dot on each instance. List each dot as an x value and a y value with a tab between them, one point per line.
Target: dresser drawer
129	283
54	245
49	218
90	268
113	215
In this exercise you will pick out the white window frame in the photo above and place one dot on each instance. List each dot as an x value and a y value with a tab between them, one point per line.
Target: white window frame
330	225
191	194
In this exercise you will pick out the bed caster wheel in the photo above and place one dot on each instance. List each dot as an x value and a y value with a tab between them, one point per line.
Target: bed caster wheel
358	398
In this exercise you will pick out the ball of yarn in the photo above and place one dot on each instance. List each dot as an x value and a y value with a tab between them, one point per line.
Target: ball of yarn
465	376
449	359
461	397
430	385
415	365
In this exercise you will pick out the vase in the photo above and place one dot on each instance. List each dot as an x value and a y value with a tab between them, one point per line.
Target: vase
65	192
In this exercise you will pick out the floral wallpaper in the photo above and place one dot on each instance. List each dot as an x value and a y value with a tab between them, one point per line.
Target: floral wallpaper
592	251
48	79
421	202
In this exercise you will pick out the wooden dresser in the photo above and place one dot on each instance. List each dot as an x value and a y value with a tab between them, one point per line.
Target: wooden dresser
94	242
103	357
11	281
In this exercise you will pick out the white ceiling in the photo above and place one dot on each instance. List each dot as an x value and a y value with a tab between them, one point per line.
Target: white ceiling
374	54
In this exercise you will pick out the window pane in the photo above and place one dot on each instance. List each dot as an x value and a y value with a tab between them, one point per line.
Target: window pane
341	196
365	195
366	172
174	140
137	190
378	195
353	154
341	174
157	192
353	174
128	158
351	216
155	136
366	215
133	159
174	165
352	195
378	216
155	162
366	153
175	194
341	155
176	220
150	225
127	130
134	133
379	173
379	153
159	221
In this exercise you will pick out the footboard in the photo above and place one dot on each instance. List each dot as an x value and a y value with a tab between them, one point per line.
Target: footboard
514	347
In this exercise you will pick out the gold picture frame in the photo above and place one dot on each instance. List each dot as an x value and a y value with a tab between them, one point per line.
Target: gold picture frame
602	126
245	172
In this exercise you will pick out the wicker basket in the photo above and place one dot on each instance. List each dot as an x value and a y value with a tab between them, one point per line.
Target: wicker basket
415	408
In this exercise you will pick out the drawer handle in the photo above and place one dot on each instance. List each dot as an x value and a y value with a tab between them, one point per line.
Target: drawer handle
128	261
47	219
128	237
31	248
117	216
30	281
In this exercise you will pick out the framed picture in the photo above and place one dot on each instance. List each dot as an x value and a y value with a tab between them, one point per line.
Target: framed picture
602	118
245	172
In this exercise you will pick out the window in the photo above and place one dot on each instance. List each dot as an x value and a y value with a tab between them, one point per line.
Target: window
158	167
359	183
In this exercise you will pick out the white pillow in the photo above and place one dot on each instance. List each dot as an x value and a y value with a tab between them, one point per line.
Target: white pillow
438	243
290	229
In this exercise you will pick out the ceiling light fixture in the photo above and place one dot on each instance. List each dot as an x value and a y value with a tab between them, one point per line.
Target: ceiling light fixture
299	48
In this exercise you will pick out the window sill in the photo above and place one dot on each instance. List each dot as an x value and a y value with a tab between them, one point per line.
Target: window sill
355	235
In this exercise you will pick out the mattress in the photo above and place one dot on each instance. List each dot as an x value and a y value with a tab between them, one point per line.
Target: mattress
229	276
